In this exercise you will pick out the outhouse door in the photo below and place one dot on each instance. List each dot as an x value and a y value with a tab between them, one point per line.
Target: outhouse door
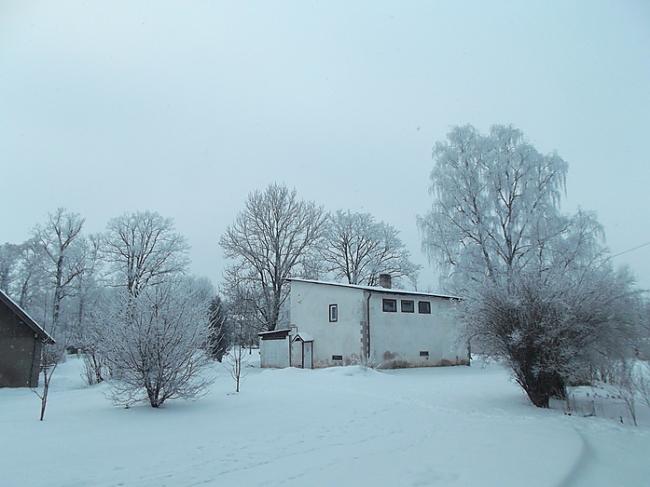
307	353
296	353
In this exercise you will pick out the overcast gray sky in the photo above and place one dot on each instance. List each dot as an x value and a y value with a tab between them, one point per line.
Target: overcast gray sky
184	107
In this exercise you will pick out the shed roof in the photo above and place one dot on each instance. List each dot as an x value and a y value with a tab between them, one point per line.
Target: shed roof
25	318
376	289
274	334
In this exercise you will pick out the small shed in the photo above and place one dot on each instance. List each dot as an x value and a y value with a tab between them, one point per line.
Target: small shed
21	341
275	348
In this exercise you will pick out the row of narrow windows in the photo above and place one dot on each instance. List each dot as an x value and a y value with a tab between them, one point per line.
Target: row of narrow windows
388	306
406	306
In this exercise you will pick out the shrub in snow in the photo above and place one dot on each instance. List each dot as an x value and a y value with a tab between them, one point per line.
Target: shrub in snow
552	330
154	347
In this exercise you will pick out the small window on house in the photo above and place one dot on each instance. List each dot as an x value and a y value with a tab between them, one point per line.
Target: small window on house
334	313
408	306
389	305
337	357
424	353
424	307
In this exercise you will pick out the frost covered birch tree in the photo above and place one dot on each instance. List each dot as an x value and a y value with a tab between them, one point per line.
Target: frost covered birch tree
358	249
540	289
267	241
495	203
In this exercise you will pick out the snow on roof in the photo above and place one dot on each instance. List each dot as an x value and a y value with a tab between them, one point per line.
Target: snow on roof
375	289
282	331
305	337
25	318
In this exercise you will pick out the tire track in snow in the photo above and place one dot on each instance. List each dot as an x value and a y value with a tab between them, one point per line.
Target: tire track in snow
587	454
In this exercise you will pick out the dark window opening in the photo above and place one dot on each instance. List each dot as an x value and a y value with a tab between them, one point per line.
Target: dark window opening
389	305
424	307
334	313
408	306
337	357
424	353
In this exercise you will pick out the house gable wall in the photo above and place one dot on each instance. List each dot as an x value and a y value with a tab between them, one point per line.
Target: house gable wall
309	308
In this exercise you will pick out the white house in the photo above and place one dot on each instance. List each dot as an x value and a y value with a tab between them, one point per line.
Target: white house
342	324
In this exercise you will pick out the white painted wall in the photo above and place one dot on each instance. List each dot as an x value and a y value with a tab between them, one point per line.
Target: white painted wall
396	339
309	312
274	353
399	337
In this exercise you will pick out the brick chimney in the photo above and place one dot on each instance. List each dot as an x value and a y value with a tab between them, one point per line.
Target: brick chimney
385	281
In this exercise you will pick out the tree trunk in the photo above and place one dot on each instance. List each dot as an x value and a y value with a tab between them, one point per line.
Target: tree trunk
46	388
540	388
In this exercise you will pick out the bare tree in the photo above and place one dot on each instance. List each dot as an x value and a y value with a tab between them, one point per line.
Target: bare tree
155	345
52	355
87	287
31	275
268	239
9	260
144	249
244	298
624	382
358	248
91	337
642	382
59	239
235	356
236	353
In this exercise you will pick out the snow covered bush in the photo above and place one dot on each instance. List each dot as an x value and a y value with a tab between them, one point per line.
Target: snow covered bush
155	346
552	330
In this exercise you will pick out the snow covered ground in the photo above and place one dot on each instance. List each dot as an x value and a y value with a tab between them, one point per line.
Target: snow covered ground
455	426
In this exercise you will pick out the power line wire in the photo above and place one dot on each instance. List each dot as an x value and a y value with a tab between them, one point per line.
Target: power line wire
630	250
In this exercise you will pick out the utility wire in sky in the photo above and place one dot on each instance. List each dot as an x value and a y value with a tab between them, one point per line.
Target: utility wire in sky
630	250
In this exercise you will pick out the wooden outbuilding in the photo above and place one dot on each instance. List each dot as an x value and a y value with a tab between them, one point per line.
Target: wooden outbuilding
21	342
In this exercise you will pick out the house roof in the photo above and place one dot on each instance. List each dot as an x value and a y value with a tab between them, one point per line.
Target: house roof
376	289
25	318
